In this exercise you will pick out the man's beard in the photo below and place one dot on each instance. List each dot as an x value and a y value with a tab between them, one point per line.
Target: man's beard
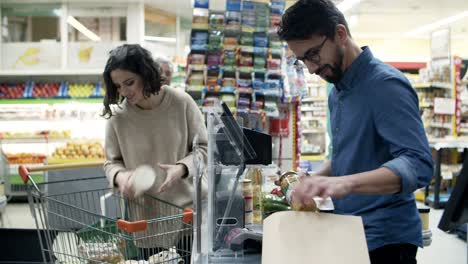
335	69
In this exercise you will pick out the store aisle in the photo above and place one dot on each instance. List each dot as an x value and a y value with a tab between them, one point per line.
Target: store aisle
445	248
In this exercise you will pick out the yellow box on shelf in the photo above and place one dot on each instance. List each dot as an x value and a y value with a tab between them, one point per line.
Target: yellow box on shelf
315	157
313	99
53	161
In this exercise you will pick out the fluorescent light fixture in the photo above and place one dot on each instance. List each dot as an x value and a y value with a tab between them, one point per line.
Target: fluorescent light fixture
81	28
160	39
346	5
440	23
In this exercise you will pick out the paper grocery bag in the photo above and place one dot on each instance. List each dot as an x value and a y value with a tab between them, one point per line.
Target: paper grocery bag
313	238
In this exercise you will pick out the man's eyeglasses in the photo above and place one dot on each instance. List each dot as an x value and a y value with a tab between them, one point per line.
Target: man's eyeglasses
312	55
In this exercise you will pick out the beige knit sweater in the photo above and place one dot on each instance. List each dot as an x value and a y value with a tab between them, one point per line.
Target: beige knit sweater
163	135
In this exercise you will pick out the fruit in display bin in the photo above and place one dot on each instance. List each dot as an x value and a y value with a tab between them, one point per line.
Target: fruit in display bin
12	91
25	158
80	90
75	150
46	90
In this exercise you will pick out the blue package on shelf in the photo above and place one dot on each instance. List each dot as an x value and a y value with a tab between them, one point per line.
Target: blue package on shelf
277	6
260	51
258	84
60	93
201	4
28	91
233	5
97	91
272	84
199	40
228	89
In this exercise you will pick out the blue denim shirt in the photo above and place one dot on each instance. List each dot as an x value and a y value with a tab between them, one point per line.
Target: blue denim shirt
375	123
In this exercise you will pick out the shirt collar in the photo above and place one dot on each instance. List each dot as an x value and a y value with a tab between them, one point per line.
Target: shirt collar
357	67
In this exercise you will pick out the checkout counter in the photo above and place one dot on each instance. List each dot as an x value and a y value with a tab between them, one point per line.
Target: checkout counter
220	234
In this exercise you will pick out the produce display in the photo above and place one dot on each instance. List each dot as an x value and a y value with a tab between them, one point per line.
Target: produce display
25	158
77	150
80	90
45	90
12	91
31	90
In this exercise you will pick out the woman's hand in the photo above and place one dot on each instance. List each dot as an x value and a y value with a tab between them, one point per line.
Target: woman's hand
174	173
124	181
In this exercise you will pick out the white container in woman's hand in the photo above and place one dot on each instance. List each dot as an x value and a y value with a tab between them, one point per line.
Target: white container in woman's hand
143	179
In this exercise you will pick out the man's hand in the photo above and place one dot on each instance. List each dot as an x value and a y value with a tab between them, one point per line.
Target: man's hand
124	181
312	186
174	173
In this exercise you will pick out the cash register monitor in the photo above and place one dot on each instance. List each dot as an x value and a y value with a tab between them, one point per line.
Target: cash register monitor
256	146
456	209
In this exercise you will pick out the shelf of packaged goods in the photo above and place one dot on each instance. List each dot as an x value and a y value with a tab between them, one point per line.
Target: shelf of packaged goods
82	72
314	99
463	130
441	85
312	157
313	131
51	101
425	104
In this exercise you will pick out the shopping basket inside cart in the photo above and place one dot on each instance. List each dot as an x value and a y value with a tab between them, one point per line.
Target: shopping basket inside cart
97	225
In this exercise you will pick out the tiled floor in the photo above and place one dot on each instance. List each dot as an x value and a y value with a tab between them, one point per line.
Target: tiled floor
445	248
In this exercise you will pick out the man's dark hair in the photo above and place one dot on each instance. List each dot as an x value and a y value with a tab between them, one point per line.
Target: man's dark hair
135	59
310	17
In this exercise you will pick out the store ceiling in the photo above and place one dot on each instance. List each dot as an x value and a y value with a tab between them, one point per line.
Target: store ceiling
375	18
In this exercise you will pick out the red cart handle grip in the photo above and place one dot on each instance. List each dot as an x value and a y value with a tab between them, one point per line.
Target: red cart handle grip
24	173
188	215
132	227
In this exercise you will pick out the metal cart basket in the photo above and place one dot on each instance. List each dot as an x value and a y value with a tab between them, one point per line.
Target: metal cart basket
101	226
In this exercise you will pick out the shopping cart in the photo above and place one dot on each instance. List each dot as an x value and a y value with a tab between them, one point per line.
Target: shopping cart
97	225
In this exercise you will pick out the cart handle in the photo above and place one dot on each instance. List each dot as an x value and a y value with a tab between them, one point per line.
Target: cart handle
141	225
24	171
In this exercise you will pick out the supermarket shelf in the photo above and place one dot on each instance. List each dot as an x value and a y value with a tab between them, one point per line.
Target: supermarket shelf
312	157
82	72
33	140
440	85
318	118
68	161
313	99
309	109
464	130
313	131
51	101
44	140
441	125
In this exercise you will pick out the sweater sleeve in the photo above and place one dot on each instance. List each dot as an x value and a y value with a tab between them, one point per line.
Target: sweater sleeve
114	161
196	126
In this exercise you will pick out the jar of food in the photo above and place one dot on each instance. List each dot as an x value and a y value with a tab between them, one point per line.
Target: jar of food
288	181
